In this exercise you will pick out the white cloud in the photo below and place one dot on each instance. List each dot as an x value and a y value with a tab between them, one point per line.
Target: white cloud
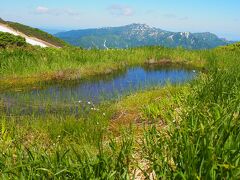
55	12
42	10
121	10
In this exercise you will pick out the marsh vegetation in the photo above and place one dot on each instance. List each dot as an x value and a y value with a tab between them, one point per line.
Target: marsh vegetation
176	131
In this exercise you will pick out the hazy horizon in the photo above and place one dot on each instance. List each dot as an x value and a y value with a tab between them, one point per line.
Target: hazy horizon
218	17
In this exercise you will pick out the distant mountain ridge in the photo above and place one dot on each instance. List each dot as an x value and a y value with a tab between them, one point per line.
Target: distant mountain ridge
135	35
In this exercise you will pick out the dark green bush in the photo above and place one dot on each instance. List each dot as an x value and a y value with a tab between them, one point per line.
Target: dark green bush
7	40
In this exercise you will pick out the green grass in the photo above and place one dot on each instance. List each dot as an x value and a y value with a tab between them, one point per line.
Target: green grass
47	60
30	65
190	131
201	140
69	151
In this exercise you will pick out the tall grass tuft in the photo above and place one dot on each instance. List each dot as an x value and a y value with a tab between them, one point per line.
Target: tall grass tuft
204	141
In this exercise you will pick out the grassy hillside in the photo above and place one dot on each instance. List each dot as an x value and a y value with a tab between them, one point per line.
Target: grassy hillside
232	47
34	32
189	131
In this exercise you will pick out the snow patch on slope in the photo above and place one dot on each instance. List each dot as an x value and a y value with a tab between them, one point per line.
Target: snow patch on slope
186	34
8	30
35	42
170	37
30	40
104	44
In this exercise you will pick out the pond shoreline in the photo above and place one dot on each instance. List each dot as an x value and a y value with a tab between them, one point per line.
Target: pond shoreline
64	76
94	90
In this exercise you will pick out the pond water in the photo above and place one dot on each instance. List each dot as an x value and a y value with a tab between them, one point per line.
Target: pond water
69	95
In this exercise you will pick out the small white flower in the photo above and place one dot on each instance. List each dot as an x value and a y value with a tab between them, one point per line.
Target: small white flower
104	114
194	71
79	101
97	123
92	108
89	102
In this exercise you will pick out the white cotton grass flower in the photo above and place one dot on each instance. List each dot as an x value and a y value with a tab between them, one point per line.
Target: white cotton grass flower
94	109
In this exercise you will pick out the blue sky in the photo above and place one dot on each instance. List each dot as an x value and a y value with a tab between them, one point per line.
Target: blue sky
218	16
